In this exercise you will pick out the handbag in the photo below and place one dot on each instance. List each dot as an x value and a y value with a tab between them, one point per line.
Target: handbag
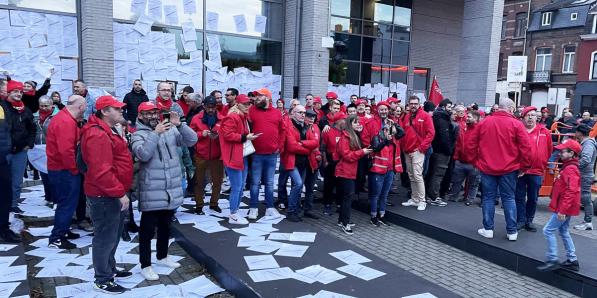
248	148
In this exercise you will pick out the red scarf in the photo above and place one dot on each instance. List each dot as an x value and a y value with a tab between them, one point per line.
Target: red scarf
29	93
17	105
163	104
44	115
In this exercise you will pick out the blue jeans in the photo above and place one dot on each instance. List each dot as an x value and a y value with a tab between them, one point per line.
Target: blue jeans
18	163
295	191
552	244
263	165
461	172
527	187
379	188
237	181
506	184
66	188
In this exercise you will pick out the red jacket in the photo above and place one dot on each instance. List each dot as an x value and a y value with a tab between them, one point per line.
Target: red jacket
108	159
61	142
330	140
418	132
232	128
389	157
349	158
313	133
294	145
206	147
463	142
270	123
565	195
184	106
541	149
500	145
224	111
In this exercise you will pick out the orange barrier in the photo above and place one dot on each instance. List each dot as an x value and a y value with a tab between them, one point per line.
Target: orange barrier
553	168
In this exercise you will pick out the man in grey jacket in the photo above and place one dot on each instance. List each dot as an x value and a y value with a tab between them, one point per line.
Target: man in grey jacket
586	165
155	146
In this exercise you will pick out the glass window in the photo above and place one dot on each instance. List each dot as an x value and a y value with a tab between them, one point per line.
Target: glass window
251	53
172	12
399	74
573	16
68	6
594	67
504	26
420	78
594	27
500	65
546	19
400	52
376	50
344	73
402	23
378	10
250	8
374	74
377	29
345	25
543	60
353	46
521	24
347	8
569	59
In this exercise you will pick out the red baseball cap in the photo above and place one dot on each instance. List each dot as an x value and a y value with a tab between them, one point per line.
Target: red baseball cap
337	116
13	85
262	91
570	144
242	98
147	106
526	110
393	99
360	101
331	95
317	99
105	101
383	103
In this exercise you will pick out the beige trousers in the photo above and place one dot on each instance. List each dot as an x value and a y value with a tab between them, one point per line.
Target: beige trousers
414	167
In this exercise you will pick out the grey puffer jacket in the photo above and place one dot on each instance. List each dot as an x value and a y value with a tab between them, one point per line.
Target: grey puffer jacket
587	157
160	177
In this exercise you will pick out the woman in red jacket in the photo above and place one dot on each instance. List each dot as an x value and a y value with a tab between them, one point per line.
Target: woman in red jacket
234	132
350	151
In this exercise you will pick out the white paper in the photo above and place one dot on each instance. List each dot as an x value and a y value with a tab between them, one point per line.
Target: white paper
189	46
292	250
362	272
143	25
132	281
349	257
43	251
171	14
263	227
13	273
247	241
328	294
188	31
250	232
56	260
261	262
4	19
6	289
327	42
74	290
423	295
266	247
201	286
240	22
279	236
260	22
37	40
303	236
189	6
270	274
157	291
155	9
18	18
7	261
321	274
212	21
270	219
138	6
213	43
69	69
41	231
210	227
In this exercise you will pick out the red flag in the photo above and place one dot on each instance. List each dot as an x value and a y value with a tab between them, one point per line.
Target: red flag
435	95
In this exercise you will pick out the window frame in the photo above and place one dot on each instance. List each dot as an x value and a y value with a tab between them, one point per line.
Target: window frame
546	18
574	16
521	24
593	66
571	57
594	27
543	56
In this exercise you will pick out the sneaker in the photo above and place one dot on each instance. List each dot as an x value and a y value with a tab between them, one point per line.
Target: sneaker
109	288
149	274
549	266
281	206
350	224
122	274
310	215
7	235
410	202
199	211
253	213
570	265
237	220
293	217
346	229
72	236
327	209
216	209
584	226
168	263
512	237
485	233
382	220
16	210
374	221
421	206
530	227
468	203
438	202
62	244
273	213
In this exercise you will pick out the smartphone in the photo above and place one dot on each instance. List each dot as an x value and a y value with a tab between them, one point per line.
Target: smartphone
166	116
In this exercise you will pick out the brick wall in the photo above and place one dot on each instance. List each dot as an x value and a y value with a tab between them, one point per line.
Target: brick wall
97	46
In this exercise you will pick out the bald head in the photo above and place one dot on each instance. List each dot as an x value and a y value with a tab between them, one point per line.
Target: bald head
76	105
506	104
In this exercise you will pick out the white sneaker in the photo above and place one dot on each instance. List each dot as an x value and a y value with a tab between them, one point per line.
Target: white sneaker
410	202
168	263
237	220
149	274
512	237
584	226
273	213
253	213
421	206
485	233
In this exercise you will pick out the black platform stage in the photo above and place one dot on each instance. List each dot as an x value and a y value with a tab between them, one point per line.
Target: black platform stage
457	225
224	260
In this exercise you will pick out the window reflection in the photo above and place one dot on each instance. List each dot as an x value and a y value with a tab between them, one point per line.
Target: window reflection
345	25
344	73
353	46
123	11
420	78
50	5
377	50
374	74
400	53
399	74
347	8
249	8
251	53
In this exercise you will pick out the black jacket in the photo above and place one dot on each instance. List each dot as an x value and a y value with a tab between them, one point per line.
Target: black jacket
132	101
32	101
22	127
446	132
5	139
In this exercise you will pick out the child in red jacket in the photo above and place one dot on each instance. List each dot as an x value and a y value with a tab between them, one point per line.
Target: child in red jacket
565	203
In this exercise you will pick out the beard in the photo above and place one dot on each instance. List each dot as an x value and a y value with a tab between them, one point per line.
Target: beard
261	104
150	122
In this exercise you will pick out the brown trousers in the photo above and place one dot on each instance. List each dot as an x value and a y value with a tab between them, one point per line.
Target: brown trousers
216	172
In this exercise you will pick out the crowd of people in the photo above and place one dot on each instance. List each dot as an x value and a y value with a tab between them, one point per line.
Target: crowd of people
103	153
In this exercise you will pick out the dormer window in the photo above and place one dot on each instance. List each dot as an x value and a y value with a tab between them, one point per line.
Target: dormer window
546	18
574	16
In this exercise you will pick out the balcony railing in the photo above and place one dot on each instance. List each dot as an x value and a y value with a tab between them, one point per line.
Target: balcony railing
540	77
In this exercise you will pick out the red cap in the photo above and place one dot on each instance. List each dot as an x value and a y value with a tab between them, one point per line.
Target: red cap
331	95
383	103
526	110
242	98
14	85
317	99
337	116
262	91
571	145
105	101
360	101
393	99
147	106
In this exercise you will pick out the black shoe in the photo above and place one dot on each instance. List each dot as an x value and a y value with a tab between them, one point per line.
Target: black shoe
389	203
570	265
9	236
62	244
375	222
382	220
346	229
227	192
549	266
109	288
125	236
132	227
72	236
530	227
16	210
216	209
293	218
520	226
468	203
310	215
122	274
199	211
174	219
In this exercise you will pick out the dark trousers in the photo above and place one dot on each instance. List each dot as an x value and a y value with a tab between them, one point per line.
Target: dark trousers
362	169
527	193
150	220
47	189
107	229
444	188
5	194
345	193
439	164
282	191
66	187
404	180
309	183
82	205
329	184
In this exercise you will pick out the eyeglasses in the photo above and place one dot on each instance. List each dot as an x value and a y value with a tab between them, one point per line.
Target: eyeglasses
165	90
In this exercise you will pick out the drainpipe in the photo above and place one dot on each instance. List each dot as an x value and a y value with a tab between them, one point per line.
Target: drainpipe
297	40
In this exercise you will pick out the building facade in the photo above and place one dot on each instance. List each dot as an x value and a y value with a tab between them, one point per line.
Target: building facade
389	45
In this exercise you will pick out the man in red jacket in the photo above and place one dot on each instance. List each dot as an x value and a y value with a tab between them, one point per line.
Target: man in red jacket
108	178
565	203
500	148
529	182
62	139
329	146
419	132
464	167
